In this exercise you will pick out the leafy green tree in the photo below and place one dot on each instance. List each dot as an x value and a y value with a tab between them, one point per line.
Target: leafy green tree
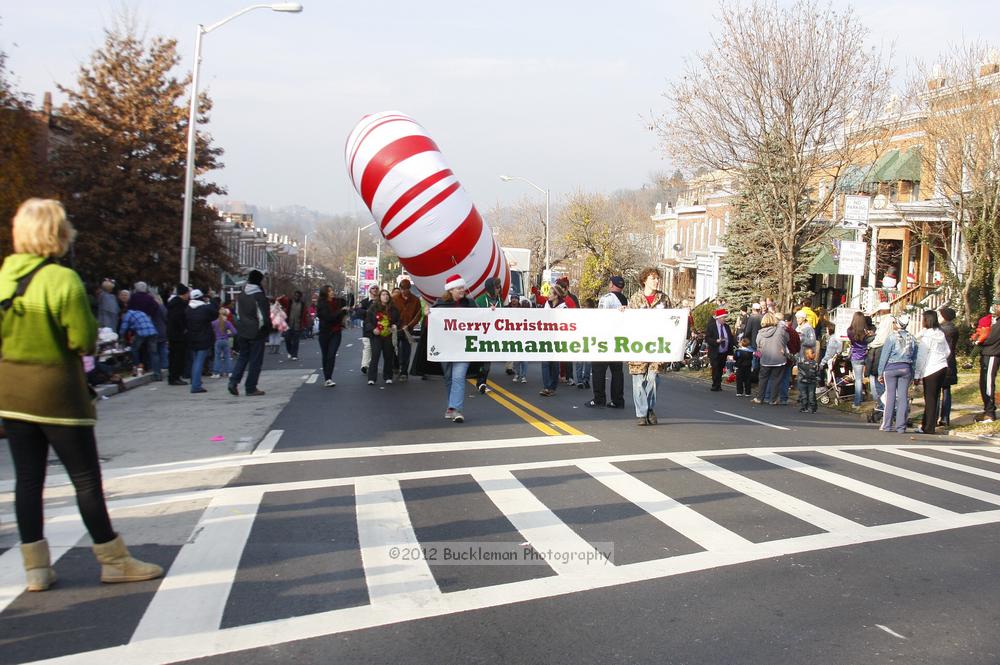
121	174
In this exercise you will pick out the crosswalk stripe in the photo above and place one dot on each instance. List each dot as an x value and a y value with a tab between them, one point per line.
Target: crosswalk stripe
981	458
858	487
992	475
690	523
63	534
268	443
802	510
915	476
395	572
193	595
542	528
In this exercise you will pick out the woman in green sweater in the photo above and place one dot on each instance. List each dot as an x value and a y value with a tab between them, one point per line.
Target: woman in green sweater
44	400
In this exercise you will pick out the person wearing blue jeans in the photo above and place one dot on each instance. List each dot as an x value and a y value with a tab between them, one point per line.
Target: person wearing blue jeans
895	370
550	378
859	338
454	372
253	326
582	372
250	360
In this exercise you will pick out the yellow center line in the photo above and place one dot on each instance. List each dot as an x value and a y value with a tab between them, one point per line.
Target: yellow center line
552	420
527	417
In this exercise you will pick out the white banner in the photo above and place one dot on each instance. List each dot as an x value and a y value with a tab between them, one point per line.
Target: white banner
852	258
471	334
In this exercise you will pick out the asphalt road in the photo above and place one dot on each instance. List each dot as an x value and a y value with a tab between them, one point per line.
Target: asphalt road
366	528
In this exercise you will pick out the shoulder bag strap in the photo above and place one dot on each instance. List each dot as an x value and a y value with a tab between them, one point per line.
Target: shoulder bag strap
22	285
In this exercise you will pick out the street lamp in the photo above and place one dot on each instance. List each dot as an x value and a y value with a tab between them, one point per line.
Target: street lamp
508	178
305	253
186	259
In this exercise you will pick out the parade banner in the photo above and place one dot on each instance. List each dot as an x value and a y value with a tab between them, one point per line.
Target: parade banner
474	334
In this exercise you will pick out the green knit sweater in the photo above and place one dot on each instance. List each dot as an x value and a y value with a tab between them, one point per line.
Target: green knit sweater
42	337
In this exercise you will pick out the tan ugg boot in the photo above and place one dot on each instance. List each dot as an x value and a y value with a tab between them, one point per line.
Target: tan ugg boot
117	565
38	565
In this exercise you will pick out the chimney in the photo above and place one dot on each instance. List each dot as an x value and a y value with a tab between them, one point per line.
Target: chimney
47	105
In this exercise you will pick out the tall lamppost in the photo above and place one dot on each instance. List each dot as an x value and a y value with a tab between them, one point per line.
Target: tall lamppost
186	258
508	178
357	255
305	253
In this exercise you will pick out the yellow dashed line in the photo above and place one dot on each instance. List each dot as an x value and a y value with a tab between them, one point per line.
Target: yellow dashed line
552	420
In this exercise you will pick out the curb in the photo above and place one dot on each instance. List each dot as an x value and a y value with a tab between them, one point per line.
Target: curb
111	389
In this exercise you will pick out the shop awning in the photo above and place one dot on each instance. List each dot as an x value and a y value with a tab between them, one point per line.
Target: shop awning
908	166
855	179
827	260
885	167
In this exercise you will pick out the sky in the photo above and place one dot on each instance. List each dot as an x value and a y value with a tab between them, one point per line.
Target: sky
559	92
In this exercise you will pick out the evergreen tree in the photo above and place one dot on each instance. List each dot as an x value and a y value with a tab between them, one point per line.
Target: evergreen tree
121	174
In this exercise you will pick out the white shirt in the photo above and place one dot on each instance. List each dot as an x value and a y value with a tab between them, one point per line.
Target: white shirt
609	301
932	352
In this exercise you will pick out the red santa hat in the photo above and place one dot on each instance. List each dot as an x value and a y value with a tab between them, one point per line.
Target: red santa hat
454	282
721	312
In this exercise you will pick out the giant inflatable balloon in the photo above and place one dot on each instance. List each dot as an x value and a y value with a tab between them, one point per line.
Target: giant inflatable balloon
420	207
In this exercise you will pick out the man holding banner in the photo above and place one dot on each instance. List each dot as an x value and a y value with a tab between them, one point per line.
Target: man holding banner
646	375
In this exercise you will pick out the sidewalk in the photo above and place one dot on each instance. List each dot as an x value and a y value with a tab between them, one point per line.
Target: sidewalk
156	424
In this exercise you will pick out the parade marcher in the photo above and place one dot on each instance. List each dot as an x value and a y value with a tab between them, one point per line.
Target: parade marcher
330	311
410	315
857	335
719	339
931	367
772	345
950	331
613	299
253	325
299	321
108	309
44	401
988	363
223	331
550	368
366	340
490	297
381	320
455	372
567	371
646	375
895	370
177	335
143	342
201	338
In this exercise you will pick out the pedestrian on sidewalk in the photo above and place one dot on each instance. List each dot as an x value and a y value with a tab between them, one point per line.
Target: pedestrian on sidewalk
297	315
988	364
146	303
177	335
330	312
613	299
895	370
253	325
794	344
947	316
143	342
646	375
410	315
719	339
772	345
744	368
931	368
455	372
491	298
44	399
882	331
279	326
201	338
223	331
808	377
857	335
380	322
108	310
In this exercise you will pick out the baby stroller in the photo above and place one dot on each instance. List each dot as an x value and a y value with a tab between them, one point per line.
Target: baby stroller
839	381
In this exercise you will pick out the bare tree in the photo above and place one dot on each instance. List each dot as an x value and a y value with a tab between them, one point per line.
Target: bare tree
792	93
523	225
959	102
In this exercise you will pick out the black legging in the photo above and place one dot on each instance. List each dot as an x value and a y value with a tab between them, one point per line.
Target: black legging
381	346
932	391
329	342
77	450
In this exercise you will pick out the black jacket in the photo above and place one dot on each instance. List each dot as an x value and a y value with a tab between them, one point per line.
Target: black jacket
712	338
176	319
951	334
991	345
330	315
199	318
253	313
371	322
752	328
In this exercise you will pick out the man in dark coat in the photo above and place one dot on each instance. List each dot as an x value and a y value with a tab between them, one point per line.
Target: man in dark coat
200	336
253	325
177	335
719	340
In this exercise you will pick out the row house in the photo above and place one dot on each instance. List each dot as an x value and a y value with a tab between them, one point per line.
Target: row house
252	248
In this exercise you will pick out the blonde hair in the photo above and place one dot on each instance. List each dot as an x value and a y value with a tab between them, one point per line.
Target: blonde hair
769	320
41	228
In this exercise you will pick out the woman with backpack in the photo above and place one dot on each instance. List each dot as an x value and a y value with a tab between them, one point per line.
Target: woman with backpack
895	370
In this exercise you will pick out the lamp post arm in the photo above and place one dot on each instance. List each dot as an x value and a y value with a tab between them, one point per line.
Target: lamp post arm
230	18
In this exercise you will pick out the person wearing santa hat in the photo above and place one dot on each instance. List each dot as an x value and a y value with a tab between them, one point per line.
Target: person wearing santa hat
455	372
719	338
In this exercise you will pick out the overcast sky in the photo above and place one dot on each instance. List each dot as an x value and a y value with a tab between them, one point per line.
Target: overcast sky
553	91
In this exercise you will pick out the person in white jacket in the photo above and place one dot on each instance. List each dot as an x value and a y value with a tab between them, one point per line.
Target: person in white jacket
931	367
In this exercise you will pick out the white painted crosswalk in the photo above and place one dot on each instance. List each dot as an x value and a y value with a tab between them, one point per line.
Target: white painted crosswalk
183	619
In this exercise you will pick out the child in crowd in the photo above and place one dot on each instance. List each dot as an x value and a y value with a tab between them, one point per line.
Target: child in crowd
744	368
808	370
224	332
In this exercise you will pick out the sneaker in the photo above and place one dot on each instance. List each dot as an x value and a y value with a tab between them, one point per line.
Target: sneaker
739	394
594	404
516	378
756	401
449	414
570	382
403	378
294	358
545	392
256	393
388	382
290	356
371	383
984	418
524	379
458	418
216	376
483	389
803	410
329	383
